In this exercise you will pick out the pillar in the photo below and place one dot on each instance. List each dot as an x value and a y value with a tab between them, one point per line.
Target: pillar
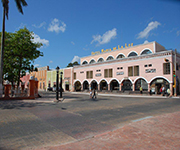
7	89
171	88
133	87
99	87
109	87
149	87
32	88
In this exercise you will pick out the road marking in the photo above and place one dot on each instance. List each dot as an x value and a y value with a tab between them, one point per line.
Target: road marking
142	118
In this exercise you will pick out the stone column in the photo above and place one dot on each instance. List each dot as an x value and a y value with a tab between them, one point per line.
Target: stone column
7	89
99	87
32	89
133	85
149	87
109	87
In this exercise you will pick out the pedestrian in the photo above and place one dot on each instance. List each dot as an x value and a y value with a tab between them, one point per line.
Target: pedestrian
94	93
141	90
163	91
168	92
90	95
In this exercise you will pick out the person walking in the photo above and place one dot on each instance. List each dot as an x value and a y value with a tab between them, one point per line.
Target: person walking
141	89
94	93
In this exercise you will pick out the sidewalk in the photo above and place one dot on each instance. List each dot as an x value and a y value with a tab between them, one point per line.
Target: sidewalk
156	133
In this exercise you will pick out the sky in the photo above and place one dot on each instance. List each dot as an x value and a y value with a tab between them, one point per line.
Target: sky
71	29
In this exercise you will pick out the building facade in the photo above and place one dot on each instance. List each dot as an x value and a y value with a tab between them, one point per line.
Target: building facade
149	66
41	76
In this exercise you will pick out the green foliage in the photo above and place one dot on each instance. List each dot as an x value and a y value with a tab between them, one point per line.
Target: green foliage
19	53
73	64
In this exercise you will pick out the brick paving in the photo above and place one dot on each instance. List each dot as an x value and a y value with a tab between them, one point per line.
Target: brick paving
81	123
157	133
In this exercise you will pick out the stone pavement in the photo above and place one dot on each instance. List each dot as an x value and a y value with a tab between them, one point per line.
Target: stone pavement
157	133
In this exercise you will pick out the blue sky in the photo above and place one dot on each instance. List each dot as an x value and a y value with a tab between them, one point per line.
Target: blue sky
70	29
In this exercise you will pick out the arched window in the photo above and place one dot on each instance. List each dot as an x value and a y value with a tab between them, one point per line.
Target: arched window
120	56
146	51
92	61
110	58
85	62
100	60
132	54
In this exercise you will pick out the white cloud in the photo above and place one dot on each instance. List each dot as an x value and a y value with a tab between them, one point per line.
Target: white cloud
36	65
178	32
145	33
105	38
145	42
76	58
57	26
38	39
72	43
51	61
39	26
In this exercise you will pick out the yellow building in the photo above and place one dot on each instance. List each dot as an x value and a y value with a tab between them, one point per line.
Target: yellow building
41	76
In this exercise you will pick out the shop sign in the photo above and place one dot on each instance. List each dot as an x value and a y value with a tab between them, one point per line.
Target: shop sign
114	48
120	73
98	74
67	78
159	81
150	70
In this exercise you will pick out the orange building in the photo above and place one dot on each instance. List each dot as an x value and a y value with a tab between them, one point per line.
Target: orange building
41	76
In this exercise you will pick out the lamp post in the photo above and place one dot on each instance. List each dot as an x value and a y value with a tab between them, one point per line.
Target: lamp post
174	72
61	85
57	82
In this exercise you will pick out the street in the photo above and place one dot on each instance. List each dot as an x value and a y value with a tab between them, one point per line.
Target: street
43	122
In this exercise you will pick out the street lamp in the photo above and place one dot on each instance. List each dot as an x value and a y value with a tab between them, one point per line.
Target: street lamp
57	82
174	74
61	85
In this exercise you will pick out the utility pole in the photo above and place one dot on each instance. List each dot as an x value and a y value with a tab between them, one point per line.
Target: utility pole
174	76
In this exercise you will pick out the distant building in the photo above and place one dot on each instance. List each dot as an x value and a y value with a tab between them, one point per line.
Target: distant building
41	76
127	68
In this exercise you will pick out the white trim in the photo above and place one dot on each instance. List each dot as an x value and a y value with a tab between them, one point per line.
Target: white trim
103	79
120	54
146	49
109	56
140	78
76	81
160	77
84	61
100	58
154	46
93	80
131	52
126	79
84	81
114	79
91	60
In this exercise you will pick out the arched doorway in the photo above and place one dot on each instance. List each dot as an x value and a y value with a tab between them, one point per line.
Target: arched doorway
103	85
85	85
77	86
141	83
114	85
157	83
94	85
126	85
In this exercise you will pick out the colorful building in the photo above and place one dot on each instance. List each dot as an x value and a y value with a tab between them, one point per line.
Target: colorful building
41	76
128	68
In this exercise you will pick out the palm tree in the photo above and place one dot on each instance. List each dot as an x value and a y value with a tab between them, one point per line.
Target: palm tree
5	3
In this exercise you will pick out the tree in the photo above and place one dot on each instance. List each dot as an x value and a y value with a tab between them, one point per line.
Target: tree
5	3
19	53
73	64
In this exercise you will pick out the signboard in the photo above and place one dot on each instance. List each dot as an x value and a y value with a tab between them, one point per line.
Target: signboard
114	48
98	75
150	70
120	73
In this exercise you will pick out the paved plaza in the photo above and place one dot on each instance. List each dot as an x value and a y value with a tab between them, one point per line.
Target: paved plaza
108	122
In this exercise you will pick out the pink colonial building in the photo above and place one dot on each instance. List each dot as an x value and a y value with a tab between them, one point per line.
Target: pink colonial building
128	68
